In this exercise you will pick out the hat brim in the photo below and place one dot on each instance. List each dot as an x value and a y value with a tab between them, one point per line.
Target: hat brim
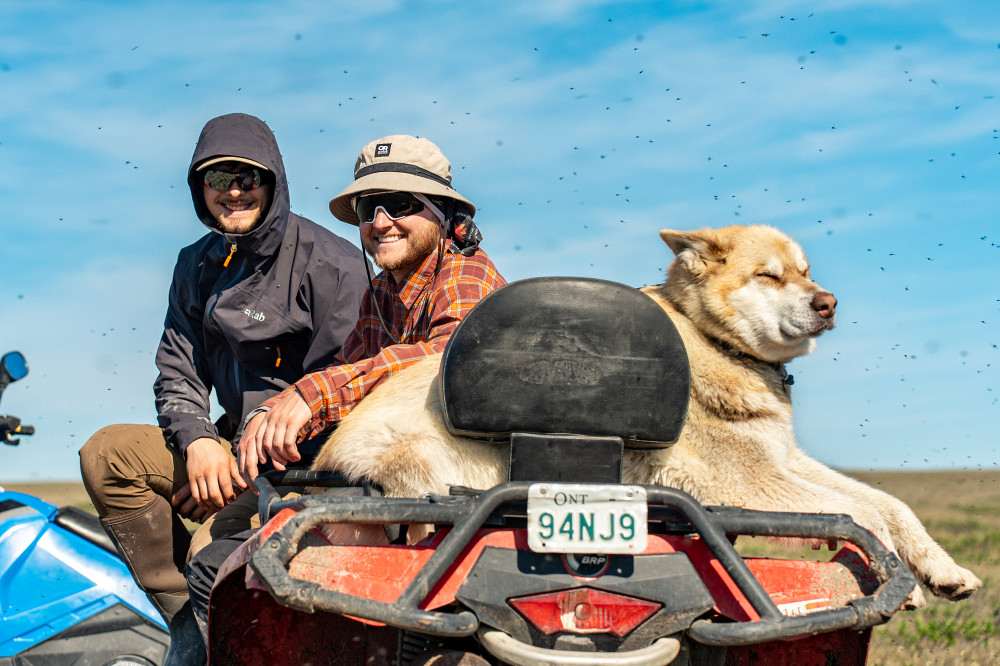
229	158
342	209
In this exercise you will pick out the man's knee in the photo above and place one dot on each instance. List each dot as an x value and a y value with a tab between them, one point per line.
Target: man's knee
100	453
119	460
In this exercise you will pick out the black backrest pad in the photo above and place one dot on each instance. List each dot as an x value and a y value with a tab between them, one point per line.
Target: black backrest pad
567	355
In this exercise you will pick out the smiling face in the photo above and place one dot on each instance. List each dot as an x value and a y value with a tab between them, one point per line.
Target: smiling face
236	210
399	245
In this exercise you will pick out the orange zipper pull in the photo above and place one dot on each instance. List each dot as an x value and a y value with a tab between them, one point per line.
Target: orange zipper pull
231	253
278	362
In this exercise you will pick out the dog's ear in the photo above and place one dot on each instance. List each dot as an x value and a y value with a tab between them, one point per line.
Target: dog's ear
695	249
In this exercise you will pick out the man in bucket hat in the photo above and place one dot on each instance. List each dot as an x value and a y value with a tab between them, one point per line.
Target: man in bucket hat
420	232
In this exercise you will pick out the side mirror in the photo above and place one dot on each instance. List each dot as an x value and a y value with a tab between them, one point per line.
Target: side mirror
12	367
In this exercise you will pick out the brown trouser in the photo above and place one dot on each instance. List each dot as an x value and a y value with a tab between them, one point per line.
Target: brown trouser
131	474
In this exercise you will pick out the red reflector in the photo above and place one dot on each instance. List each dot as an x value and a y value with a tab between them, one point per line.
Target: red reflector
584	610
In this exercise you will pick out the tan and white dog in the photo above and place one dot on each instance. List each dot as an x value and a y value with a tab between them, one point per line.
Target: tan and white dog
744	305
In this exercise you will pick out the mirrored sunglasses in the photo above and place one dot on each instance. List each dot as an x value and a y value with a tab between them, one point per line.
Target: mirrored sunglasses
222	181
395	205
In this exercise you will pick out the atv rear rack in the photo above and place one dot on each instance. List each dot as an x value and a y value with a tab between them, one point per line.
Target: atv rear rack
470	511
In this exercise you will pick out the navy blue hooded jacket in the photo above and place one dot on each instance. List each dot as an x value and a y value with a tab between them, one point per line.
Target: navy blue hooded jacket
282	307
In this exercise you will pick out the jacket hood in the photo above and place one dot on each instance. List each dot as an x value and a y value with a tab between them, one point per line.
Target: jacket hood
242	135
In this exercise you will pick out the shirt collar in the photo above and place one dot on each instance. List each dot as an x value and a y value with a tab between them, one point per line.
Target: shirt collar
422	274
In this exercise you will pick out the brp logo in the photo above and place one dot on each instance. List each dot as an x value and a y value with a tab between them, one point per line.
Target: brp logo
586	566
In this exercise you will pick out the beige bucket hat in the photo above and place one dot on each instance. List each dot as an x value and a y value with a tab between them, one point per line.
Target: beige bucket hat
397	163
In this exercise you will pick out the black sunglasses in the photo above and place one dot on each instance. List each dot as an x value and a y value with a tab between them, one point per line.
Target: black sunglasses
222	181
395	205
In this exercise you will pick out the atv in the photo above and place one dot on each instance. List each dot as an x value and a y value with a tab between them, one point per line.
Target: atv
66	597
562	563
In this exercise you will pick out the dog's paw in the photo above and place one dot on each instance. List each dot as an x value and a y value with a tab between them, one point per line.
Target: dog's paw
956	584
915	599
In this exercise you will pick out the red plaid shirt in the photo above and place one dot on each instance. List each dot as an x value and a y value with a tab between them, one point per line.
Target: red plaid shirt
422	313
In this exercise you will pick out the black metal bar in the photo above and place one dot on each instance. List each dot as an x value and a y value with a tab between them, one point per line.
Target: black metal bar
373	510
748	633
780	524
269	562
716	541
268	497
305	477
279	549
468	513
858	614
459	537
896	580
884	564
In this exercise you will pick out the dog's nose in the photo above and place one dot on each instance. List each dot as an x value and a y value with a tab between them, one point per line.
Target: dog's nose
824	304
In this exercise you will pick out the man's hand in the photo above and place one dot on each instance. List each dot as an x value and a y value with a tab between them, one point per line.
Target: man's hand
187	507
211	472
273	433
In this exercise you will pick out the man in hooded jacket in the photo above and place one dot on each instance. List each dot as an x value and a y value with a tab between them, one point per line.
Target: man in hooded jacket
262	299
420	231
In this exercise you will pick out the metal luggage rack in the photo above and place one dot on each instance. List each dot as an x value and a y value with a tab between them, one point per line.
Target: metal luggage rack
470	511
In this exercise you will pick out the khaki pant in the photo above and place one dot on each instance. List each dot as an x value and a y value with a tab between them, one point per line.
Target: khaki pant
126	468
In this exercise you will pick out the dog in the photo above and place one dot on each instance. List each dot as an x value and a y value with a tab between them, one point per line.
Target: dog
744	305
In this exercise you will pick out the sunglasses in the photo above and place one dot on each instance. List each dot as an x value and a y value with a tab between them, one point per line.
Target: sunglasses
395	205
222	181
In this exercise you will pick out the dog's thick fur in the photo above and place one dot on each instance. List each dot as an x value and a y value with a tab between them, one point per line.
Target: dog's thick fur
744	304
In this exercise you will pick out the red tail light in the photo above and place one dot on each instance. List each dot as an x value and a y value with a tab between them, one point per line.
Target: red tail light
584	610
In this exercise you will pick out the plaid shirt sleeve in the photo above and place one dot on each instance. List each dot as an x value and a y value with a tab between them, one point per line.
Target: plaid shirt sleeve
332	392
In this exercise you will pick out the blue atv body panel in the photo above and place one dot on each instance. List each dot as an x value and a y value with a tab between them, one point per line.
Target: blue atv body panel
52	578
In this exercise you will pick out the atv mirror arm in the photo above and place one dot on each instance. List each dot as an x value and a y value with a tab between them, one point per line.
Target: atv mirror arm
13	366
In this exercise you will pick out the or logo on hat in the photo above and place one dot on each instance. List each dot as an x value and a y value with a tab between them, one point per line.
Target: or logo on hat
382	149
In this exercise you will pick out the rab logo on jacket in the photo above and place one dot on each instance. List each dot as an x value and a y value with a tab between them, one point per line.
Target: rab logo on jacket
253	314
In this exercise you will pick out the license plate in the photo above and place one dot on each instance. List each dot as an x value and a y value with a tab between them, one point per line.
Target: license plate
586	518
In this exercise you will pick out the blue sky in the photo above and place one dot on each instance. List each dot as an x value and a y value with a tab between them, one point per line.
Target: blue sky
869	131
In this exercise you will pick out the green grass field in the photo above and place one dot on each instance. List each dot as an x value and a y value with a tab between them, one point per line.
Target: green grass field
960	509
